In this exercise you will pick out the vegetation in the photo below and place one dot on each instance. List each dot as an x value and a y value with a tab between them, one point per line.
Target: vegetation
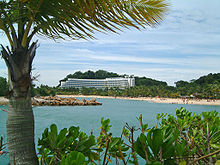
2	147
43	90
204	87
207	87
182	139
21	20
100	74
143	81
3	86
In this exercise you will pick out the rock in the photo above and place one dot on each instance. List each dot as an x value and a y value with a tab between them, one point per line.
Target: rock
93	100
59	101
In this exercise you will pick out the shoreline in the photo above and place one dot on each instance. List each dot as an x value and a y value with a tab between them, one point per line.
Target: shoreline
156	100
4	101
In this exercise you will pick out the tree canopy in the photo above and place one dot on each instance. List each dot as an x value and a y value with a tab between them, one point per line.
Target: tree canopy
21	20
207	86
75	18
3	86
102	74
208	79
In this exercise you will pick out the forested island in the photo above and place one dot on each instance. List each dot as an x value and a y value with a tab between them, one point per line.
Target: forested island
205	87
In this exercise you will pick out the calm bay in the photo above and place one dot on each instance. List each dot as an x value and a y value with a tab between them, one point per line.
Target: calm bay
88	118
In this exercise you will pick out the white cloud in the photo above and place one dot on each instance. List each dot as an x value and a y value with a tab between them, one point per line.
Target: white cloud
184	46
4	73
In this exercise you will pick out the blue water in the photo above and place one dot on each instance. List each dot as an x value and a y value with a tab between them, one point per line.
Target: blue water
89	117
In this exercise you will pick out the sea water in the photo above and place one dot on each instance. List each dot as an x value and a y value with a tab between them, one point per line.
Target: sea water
88	118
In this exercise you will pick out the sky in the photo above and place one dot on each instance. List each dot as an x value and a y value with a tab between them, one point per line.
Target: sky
185	46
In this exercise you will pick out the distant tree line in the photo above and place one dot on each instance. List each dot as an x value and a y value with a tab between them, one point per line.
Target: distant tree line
205	87
100	74
3	86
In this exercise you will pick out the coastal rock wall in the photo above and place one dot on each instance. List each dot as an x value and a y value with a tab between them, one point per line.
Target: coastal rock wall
62	101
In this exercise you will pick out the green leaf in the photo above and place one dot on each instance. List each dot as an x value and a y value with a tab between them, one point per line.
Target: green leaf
61	138
74	158
183	162
155	140
139	148
180	149
156	163
53	129
217	162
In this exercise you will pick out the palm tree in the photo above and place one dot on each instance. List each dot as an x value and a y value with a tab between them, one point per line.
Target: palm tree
20	20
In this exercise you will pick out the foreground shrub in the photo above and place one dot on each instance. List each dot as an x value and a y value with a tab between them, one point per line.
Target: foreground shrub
185	138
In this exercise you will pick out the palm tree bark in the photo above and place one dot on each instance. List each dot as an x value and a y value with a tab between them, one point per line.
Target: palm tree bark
20	122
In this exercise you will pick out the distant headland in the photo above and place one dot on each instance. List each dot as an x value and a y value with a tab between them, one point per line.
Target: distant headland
101	83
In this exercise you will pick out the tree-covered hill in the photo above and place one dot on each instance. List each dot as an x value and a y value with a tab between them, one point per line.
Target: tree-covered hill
202	81
209	79
139	81
3	86
102	74
207	86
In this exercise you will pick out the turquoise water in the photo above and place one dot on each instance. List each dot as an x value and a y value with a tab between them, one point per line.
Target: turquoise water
88	117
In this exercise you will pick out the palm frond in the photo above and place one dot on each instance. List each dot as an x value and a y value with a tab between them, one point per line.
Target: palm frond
81	18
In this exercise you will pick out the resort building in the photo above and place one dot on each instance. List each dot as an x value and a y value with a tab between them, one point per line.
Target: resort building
120	82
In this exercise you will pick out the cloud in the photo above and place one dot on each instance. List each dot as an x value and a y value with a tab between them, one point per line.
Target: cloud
184	46
4	73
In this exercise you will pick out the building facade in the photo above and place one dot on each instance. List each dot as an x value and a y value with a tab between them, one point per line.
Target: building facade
119	82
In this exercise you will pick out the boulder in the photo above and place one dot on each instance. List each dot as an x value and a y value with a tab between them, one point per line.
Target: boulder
58	101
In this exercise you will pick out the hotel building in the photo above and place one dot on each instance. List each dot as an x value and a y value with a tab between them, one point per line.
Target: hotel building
120	82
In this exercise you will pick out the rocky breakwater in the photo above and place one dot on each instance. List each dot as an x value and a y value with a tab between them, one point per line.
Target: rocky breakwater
62	101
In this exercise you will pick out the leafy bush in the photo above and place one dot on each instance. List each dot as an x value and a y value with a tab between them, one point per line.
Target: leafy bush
3	86
182	139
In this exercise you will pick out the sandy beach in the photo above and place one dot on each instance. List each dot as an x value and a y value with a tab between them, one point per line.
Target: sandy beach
156	100
4	101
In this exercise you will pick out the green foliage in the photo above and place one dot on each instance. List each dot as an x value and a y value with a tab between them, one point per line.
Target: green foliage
209	79
2	147
145	87
75	19
139	81
114	146
185	138
181	83
74	158
55	146
3	86
100	74
199	133
21	20
44	90
205	87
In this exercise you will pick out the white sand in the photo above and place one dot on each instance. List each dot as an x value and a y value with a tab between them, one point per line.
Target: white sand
153	99
157	100
3	101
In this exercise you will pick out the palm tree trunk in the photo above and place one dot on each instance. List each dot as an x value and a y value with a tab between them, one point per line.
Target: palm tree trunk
20	122
20	131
